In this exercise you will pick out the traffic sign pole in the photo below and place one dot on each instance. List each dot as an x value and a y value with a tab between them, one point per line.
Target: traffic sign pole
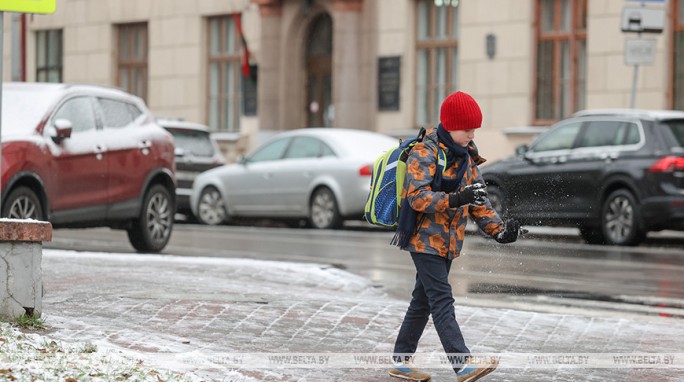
22	6
2	72
635	78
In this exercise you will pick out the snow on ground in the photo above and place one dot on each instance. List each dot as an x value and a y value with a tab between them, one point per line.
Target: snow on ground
166	318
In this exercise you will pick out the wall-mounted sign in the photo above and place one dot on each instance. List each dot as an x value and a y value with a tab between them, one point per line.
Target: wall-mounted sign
640	51
28	6
643	20
389	82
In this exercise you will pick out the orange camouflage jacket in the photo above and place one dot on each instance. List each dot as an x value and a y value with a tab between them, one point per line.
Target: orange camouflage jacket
440	230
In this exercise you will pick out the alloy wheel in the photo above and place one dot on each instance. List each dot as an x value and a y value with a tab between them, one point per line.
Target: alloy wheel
211	208
159	217
23	208
324	212
619	219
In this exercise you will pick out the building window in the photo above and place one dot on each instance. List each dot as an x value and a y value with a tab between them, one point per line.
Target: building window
49	55
132	59
678	55
437	33
561	59
224	74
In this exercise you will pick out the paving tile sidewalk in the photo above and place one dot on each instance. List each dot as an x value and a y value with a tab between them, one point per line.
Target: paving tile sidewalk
162	306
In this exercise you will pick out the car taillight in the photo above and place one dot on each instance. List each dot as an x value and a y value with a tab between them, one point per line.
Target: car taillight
668	164
366	170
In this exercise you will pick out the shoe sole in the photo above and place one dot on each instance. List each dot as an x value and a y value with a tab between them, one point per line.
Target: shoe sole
403	376
486	372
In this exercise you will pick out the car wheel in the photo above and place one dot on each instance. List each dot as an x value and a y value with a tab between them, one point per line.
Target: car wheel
211	209
592	235
496	199
22	203
152	230
620	219
324	213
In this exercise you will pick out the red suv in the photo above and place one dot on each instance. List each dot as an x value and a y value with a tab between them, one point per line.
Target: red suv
87	156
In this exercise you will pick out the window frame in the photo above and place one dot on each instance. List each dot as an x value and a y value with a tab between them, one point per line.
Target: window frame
677	27
221	59
574	36
129	63
432	43
59	66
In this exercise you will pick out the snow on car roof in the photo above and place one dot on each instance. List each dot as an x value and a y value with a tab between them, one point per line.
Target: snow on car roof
25	104
349	142
180	124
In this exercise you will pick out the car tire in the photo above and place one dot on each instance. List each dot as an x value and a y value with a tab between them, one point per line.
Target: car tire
621	219
591	234
22	203
323	211
211	209
496	199
151	231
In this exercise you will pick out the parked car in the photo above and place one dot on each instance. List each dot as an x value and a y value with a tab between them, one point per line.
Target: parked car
321	174
615	174
87	156
196	152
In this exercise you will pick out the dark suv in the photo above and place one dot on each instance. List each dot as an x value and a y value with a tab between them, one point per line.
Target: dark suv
615	174
87	156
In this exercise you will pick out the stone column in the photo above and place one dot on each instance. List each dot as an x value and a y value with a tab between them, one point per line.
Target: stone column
21	254
269	61
348	91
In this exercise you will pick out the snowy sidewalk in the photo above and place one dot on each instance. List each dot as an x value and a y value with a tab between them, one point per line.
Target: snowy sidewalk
163	306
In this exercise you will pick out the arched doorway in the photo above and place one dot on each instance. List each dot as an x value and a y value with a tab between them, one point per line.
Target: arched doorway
318	61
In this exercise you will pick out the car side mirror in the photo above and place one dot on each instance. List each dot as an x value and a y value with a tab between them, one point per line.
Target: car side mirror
61	130
521	150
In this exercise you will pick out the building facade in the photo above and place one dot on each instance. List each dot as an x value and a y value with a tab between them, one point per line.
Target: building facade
245	66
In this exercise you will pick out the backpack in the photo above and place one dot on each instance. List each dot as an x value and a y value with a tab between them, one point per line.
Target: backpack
387	182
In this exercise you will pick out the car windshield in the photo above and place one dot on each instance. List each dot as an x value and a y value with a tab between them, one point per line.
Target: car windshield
675	132
23	109
195	143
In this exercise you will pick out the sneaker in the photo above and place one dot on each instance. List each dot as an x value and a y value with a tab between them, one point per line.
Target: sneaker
476	369
407	370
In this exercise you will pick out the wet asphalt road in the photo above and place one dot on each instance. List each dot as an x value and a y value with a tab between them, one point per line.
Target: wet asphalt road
540	271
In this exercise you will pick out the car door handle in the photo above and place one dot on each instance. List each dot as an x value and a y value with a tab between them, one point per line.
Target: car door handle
99	150
144	146
608	157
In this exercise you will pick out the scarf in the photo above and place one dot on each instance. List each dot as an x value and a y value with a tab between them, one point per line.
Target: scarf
408	217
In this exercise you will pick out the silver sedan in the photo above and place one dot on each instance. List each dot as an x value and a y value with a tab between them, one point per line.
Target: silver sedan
318	174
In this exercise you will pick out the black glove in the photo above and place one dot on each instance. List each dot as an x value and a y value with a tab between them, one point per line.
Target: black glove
509	233
475	193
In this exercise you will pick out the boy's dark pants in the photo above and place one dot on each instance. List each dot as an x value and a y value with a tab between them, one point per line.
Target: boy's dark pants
431	295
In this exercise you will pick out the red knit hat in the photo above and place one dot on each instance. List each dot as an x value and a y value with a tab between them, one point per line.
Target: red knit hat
459	111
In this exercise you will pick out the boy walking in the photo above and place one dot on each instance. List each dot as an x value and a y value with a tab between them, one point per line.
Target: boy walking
432	228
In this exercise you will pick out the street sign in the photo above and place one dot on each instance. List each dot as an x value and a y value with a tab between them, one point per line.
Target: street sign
643	20
28	6
640	51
